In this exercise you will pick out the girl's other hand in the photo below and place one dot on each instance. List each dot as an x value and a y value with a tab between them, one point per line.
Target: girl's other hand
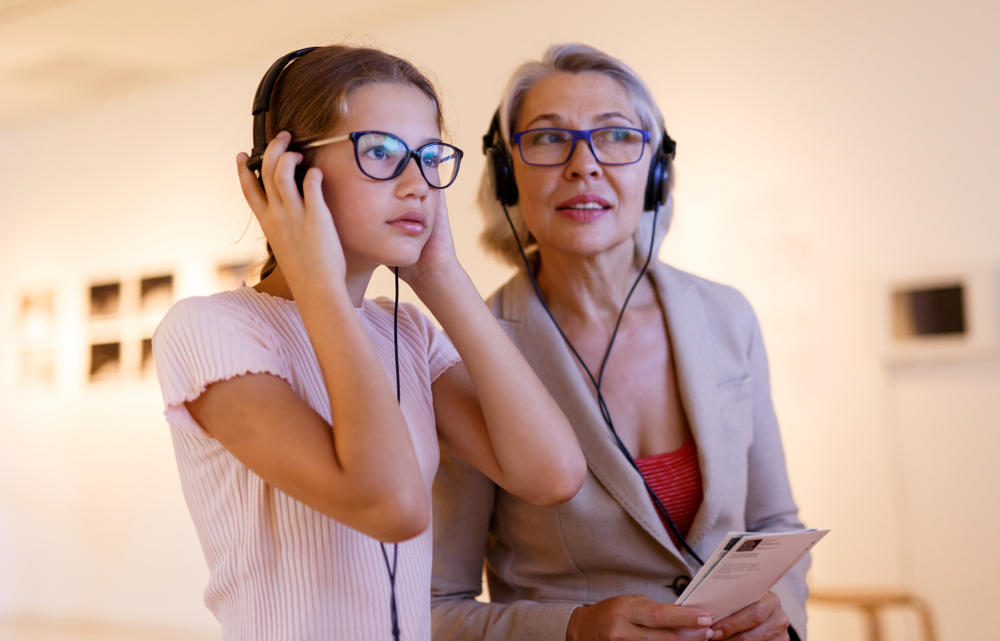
300	229
438	259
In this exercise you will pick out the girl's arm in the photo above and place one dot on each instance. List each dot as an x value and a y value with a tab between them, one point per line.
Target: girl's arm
491	408
362	471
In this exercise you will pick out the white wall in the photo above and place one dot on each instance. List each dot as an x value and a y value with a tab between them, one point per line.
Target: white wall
822	149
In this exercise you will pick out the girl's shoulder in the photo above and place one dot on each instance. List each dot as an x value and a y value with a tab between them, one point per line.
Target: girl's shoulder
416	329
237	304
224	316
381	310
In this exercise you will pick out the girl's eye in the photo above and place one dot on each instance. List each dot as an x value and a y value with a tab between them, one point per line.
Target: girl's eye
379	152
433	156
380	147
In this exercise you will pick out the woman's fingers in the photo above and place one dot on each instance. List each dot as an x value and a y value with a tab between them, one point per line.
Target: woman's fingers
651	614
765	620
637	618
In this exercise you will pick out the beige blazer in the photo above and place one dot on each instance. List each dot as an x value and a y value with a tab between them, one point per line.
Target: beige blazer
608	540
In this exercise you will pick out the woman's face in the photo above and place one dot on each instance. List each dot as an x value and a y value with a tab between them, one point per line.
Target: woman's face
581	207
381	222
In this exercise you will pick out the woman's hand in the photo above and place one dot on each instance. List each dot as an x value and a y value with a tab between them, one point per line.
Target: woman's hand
438	259
764	620
633	617
300	229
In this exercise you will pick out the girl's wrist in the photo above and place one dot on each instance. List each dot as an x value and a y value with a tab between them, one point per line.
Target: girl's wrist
433	283
322	290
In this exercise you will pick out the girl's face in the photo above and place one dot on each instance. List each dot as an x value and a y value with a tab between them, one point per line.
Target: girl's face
381	222
580	207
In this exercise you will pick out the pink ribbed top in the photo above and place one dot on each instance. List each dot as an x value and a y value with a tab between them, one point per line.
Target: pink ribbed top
279	570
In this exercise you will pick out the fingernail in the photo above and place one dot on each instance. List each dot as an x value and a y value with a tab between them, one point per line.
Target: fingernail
705	621
709	634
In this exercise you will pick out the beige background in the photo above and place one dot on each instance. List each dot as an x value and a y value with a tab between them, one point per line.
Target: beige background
825	150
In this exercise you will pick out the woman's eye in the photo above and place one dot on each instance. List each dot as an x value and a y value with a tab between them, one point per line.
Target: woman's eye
541	138
626	136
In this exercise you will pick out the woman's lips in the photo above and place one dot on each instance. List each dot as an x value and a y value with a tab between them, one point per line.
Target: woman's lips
583	207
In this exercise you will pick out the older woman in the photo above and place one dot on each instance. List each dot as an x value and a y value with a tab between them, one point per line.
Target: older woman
676	420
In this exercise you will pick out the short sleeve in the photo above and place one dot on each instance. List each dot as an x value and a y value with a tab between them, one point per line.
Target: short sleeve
441	354
203	340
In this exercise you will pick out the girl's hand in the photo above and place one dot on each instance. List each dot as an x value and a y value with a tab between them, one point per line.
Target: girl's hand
300	230
764	620
438	259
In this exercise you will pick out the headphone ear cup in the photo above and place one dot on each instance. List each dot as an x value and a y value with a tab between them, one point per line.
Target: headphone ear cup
503	175
656	182
500	163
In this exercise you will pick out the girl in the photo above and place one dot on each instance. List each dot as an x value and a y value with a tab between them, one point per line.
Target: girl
295	457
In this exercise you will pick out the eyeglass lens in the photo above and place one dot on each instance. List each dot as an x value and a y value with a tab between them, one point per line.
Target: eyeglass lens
611	145
383	156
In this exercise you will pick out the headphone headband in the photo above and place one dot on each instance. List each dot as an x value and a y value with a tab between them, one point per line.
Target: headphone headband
262	102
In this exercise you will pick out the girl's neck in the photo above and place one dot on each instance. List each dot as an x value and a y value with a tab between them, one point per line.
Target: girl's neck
590	288
276	284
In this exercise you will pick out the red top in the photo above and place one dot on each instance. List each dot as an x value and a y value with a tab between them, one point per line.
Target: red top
675	478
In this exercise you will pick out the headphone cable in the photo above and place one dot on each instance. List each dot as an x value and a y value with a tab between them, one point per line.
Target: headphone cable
602	405
391	568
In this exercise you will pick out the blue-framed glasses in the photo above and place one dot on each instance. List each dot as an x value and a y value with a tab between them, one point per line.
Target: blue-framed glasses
383	156
551	146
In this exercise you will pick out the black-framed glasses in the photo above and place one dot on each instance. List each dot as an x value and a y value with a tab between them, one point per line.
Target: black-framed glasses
383	156
551	146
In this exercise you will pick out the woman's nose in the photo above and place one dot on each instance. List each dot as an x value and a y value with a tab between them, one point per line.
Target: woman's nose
582	161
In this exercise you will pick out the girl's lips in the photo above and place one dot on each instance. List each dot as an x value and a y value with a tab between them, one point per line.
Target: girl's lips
410	222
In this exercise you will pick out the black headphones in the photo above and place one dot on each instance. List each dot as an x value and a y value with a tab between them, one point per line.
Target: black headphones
506	187
262	102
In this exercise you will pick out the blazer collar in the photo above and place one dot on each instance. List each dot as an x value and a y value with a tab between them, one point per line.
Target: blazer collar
533	331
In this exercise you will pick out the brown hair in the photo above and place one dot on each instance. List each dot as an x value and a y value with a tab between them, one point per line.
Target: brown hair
311	95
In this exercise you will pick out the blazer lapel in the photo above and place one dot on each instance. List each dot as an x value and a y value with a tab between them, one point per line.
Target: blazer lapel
692	355
543	347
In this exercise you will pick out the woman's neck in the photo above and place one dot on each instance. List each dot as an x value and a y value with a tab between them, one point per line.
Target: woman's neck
590	288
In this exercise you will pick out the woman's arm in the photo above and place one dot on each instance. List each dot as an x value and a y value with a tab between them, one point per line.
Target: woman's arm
463	506
492	409
363	471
